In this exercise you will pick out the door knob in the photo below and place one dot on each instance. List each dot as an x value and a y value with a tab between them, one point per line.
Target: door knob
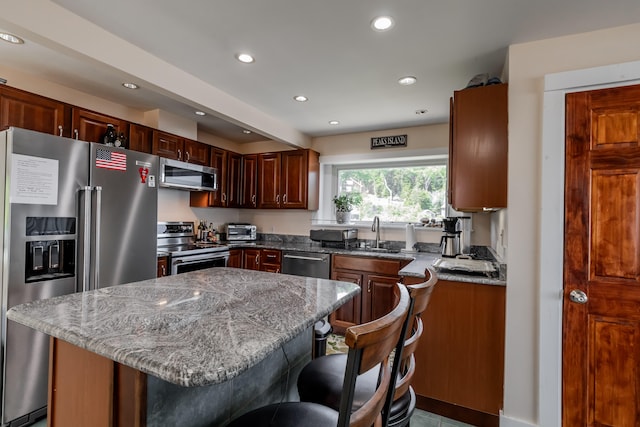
578	296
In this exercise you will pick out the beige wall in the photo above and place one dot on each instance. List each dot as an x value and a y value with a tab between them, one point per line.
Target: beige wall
528	64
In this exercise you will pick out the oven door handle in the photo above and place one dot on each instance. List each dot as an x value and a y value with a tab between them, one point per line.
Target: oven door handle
197	258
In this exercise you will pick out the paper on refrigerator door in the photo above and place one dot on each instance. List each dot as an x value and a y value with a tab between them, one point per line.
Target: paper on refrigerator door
34	180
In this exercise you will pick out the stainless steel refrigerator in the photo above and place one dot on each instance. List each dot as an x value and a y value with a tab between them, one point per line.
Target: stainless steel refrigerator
76	216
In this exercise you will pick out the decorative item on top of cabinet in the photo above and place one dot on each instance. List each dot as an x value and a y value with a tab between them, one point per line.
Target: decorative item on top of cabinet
91	126
478	144
460	356
29	111
176	147
377	278
288	179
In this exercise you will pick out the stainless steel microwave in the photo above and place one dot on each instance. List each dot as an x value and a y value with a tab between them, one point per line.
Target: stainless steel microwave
187	176
241	232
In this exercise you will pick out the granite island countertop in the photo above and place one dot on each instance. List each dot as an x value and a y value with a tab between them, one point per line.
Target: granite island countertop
193	329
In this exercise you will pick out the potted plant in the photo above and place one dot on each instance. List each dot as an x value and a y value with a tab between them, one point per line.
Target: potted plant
344	205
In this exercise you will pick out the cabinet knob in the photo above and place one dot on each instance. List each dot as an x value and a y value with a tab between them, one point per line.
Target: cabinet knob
179	155
60	129
284	199
369	286
164	270
187	156
76	133
253	200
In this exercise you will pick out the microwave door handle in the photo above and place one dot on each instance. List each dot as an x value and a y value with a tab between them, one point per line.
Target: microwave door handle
95	260
84	200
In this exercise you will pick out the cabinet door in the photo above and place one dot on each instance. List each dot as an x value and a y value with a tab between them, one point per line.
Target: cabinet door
235	258
293	179
167	145
219	161
234	179
196	152
163	266
377	296
349	313
271	260
478	156
140	138
251	259
249	194
29	111
90	126
269	165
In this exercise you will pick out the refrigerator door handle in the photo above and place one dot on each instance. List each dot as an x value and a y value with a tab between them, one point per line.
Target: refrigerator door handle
85	276
95	259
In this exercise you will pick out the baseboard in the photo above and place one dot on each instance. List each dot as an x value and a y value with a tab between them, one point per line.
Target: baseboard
512	422
458	413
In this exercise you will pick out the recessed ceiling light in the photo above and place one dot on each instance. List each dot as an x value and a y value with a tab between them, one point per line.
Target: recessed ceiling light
334	122
247	131
245	57
382	23
200	113
301	98
130	85
11	38
408	80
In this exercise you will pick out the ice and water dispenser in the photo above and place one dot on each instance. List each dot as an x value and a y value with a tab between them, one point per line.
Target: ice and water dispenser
52	254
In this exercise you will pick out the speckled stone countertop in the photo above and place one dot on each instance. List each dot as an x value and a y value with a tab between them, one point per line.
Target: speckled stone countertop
191	329
416	268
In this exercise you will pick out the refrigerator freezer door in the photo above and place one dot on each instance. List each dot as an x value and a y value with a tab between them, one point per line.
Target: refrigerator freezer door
127	214
43	174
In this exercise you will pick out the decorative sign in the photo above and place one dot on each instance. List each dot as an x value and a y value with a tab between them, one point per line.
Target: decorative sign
389	141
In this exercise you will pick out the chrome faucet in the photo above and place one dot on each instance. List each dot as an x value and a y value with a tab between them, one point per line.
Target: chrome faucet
376	227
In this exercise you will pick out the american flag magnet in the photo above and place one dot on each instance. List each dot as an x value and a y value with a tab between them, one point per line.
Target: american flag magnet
113	160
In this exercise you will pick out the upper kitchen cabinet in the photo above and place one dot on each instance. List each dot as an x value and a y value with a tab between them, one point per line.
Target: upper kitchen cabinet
228	165
249	180
91	126
28	111
478	148
140	138
288	179
178	148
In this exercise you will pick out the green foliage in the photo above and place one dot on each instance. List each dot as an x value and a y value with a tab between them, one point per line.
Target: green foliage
346	201
400	194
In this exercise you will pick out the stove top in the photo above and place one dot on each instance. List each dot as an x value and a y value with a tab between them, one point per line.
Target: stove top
178	239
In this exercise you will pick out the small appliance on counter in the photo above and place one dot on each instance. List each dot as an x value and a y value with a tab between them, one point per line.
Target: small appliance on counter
335	238
240	231
450	241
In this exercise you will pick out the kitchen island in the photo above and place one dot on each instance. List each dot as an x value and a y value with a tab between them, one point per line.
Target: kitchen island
194	349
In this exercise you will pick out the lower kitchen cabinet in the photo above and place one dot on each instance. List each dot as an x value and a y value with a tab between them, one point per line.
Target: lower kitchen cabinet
262	259
163	266
376	277
460	357
235	258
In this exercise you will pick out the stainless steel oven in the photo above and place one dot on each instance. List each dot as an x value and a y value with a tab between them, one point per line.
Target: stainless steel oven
177	239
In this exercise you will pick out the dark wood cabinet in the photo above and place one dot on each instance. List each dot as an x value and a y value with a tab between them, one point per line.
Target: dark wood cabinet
91	126
288	179
163	266
376	278
167	145
249	193
234	179
235	258
478	144
196	152
251	259
262	259
460	357
29	111
140	138
228	164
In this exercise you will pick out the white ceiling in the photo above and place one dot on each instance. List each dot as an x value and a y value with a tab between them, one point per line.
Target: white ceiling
323	49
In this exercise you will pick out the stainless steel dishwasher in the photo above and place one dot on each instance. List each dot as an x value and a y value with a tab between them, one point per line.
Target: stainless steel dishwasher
309	264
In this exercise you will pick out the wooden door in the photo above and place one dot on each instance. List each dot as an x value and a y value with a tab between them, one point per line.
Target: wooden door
140	138
251	259
249	194
219	161
293	181
378	298
269	180
601	313
349	313
168	145
90	126
28	111
163	266
234	179
235	258
196	152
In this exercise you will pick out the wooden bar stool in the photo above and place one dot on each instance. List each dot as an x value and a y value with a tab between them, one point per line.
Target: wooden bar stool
370	345
321	379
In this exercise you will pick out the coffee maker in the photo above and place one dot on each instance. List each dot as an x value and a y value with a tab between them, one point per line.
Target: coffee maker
450	241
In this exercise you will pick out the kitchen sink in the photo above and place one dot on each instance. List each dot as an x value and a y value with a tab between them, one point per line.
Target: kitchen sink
379	250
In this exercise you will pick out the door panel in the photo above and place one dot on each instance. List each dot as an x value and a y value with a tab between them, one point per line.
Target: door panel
601	336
